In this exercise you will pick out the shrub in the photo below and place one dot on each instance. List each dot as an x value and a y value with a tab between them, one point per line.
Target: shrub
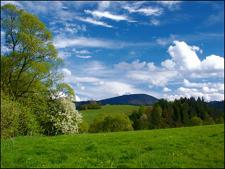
16	119
196	121
139	119
83	127
111	123
208	120
66	119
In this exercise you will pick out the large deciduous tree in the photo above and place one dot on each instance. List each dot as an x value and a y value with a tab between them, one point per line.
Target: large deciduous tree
27	65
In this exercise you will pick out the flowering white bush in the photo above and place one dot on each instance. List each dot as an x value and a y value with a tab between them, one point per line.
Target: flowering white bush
67	119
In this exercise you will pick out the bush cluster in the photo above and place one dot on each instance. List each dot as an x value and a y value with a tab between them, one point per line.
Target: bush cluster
111	123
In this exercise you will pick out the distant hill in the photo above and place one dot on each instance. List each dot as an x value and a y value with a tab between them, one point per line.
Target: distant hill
217	105
132	99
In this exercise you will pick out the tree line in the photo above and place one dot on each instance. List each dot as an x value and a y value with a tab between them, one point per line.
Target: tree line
177	113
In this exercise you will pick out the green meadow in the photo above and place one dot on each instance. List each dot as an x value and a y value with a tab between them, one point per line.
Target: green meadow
90	114
199	146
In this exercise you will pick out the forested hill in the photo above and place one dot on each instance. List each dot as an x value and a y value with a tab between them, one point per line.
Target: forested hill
132	99
217	105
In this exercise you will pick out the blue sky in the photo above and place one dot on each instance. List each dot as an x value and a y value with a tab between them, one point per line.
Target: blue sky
168	49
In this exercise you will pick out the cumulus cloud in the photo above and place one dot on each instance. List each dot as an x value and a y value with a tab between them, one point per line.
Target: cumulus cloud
213	62
184	56
193	92
155	78
168	64
185	59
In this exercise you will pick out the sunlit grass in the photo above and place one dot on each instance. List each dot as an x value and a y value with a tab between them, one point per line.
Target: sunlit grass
201	146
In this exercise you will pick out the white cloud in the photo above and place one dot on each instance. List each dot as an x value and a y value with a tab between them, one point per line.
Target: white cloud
108	15
196	49
165	41
184	56
212	63
187	61
63	42
94	22
206	93
155	22
135	65
166	89
118	88
168	64
84	56
77	98
87	79
82	52
209	85
148	11
18	4
64	54
155	78
151	66
102	5
171	5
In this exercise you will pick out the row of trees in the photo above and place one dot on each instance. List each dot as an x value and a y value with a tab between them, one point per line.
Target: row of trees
89	105
31	84
163	114
182	112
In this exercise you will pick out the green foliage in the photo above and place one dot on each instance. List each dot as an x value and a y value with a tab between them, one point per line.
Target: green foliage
26	66
196	121
16	119
189	147
165	114
91	105
139	118
111	123
83	127
208	120
29	76
155	116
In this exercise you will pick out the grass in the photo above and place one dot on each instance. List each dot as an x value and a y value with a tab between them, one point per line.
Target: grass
200	146
90	114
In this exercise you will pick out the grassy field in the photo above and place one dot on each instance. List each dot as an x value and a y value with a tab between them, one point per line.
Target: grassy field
91	114
201	146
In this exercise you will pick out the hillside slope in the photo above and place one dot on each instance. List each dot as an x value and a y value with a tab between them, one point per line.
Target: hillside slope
132	99
188	147
90	114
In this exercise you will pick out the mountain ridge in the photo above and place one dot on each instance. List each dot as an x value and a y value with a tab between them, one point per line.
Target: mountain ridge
130	99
